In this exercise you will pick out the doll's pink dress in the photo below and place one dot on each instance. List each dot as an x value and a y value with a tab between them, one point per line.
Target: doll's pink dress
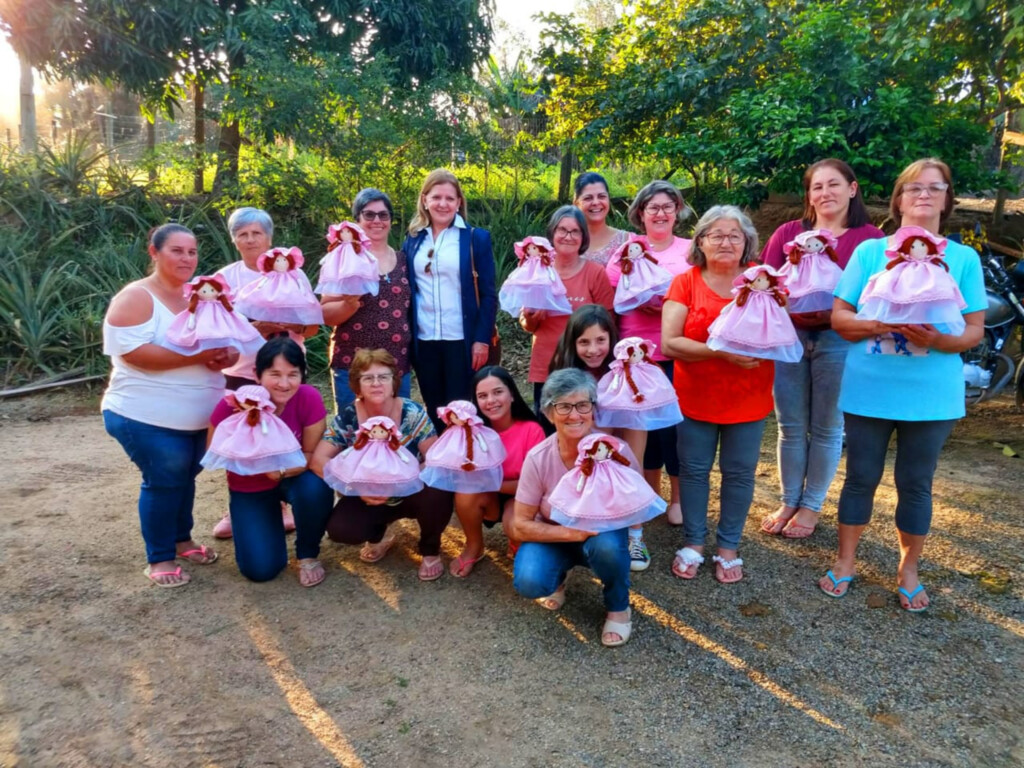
448	465
810	283
280	297
212	325
915	291
617	403
532	285
376	469
646	279
612	497
244	449
343	271
760	328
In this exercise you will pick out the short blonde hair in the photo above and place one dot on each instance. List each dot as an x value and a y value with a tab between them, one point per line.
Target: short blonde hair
364	359
421	220
910	173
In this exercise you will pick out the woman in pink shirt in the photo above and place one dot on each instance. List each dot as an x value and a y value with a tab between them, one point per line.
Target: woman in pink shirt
658	212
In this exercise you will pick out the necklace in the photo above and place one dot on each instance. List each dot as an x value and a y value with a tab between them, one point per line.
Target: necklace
385	277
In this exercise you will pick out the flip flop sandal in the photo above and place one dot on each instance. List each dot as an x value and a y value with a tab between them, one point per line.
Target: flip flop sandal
797	531
621	628
726	565
910	599
835	585
426	575
170	585
373	552
689	557
554	601
312	566
770	524
206	556
461	566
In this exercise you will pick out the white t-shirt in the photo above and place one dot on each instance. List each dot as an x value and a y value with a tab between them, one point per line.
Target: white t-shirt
181	398
439	293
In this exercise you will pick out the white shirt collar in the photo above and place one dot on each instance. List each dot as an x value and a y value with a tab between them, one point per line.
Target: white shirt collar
458	223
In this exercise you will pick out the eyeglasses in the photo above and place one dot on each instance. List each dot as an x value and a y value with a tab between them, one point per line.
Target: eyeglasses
568	234
564	409
376	378
430	257
654	210
717	239
378	215
917	190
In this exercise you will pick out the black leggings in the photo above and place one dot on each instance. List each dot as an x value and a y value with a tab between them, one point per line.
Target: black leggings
918	444
353	521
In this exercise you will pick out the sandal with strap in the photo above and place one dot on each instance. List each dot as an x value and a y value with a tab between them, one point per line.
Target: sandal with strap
689	557
308	569
374	551
835	585
201	555
554	601
621	628
176	573
462	566
775	523
910	599
728	565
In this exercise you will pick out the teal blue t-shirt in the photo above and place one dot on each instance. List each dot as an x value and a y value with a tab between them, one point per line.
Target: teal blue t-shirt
885	376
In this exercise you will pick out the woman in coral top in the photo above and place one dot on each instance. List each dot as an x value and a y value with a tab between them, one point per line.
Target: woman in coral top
724	397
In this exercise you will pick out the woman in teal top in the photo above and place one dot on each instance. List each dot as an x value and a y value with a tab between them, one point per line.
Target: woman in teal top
906	379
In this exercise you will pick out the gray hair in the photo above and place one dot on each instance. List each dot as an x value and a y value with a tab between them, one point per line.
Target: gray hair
565	382
574	213
367	196
243	217
712	216
635	214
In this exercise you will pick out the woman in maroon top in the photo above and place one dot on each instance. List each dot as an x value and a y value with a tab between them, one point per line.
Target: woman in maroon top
372	322
807	392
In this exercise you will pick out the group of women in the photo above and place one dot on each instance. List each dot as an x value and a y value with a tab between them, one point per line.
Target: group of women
435	314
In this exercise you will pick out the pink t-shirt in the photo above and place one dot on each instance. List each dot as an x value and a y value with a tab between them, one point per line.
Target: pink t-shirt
543	469
518	440
640	322
588	286
773	255
304	409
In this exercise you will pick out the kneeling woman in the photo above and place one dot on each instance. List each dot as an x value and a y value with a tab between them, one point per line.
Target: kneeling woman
374	378
259	533
548	550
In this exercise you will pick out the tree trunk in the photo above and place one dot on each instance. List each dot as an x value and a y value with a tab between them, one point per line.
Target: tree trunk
565	176
28	107
228	148
151	147
200	137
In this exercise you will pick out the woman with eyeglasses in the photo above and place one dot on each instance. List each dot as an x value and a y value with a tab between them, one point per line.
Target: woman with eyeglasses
724	397
585	283
372	322
807	393
658	212
549	551
454	297
374	377
902	379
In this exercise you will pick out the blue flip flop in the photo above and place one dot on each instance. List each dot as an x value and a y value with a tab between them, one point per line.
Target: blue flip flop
835	585
910	599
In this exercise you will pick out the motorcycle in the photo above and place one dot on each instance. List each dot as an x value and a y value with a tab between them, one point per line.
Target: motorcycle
989	367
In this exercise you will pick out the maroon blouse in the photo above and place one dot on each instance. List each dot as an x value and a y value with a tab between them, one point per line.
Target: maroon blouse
381	323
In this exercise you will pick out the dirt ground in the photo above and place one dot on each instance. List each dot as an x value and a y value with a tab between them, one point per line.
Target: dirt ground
373	668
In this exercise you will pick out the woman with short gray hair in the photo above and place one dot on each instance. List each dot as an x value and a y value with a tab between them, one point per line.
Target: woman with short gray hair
549	551
725	397
372	322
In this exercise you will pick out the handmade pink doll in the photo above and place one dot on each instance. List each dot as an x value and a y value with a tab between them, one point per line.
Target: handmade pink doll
467	457
915	287
283	294
534	284
602	492
756	323
811	270
210	322
376	464
254	440
636	393
642	278
348	269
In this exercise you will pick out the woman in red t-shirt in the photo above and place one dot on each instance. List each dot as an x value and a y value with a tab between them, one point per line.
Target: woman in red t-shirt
505	411
724	397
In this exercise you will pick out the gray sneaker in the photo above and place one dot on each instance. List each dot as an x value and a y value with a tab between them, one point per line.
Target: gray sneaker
639	557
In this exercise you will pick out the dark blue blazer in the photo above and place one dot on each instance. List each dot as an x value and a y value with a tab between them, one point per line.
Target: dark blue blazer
477	318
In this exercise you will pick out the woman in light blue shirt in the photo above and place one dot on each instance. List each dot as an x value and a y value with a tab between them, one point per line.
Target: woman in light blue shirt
906	379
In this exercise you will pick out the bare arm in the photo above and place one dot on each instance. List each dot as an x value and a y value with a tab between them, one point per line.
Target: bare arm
927	336
525	528
852	328
677	346
530	319
324	452
339	309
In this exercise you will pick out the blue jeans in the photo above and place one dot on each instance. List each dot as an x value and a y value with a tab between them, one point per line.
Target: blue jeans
258	530
541	566
344	396
810	422
169	462
737	461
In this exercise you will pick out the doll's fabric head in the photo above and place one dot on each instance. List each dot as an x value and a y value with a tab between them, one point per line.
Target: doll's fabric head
534	245
759	277
252	397
811	241
347	232
459	413
917	243
596	448
208	288
379	428
636	247
633	349
280	260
